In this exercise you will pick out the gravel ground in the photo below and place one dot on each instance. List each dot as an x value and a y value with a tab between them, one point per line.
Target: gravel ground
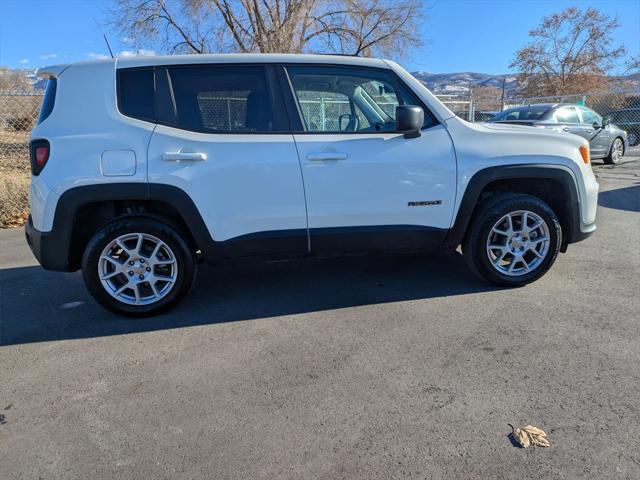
397	366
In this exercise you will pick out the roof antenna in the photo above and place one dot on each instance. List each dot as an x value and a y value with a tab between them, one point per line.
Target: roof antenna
108	46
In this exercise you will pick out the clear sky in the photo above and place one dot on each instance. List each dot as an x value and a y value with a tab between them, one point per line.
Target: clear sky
459	35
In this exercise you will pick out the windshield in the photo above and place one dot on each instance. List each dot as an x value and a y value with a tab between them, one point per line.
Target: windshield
529	112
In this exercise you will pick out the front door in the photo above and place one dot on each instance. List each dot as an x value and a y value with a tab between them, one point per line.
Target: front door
368	187
599	138
223	138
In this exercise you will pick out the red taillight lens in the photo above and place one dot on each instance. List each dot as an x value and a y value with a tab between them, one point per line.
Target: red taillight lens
42	155
40	151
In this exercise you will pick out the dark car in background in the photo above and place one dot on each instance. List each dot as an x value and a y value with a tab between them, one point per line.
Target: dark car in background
484	116
629	120
606	140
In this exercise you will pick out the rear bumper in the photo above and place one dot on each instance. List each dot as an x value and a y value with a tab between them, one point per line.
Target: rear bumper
49	248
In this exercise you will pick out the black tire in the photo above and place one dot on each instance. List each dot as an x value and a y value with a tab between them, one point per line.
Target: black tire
184	257
609	159
474	246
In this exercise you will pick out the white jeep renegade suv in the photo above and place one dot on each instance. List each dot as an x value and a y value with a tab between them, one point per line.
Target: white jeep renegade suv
144	166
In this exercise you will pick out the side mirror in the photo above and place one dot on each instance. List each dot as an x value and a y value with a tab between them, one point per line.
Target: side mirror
606	121
409	120
596	126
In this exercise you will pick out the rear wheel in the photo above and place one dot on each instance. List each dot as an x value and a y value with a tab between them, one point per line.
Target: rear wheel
138	267
513	240
615	153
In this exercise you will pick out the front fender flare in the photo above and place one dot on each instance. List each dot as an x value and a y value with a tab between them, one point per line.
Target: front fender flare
482	178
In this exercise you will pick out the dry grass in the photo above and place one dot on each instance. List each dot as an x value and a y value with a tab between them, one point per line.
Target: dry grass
14	199
14	178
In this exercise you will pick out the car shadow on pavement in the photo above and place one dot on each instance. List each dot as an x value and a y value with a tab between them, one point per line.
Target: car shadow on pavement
627	198
38	306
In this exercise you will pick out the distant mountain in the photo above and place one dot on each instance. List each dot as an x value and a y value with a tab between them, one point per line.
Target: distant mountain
459	83
440	83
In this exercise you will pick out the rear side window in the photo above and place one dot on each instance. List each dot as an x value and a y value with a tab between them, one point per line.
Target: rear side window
217	99
529	112
136	93
48	100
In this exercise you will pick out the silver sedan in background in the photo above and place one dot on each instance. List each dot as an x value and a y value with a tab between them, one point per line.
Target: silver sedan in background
606	141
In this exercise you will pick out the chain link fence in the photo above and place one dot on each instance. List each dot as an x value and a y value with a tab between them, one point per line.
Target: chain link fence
322	113
458	103
223	113
18	114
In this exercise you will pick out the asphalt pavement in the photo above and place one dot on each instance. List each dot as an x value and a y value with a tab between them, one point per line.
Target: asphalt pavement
373	367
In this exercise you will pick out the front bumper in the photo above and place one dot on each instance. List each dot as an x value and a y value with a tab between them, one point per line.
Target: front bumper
49	248
584	232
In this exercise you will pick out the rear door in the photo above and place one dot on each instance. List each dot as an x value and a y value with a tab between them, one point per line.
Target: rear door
368	187
571	122
223	137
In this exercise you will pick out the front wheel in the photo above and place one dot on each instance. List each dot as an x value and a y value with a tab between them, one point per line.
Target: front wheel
513	240
138	266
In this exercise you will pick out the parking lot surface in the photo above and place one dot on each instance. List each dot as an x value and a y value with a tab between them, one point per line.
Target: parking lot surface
374	367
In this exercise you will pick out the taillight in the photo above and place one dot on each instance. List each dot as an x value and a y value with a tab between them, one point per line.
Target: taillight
39	152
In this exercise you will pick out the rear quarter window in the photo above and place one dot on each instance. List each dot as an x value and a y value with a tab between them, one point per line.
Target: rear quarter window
136	93
49	99
530	113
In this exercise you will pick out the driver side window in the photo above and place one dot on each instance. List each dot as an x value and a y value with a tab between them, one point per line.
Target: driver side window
590	117
344	100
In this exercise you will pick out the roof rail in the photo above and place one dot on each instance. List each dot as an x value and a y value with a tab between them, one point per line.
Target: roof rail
341	54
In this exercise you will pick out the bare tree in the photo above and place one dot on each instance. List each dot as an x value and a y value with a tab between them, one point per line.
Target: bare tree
357	27
571	51
487	97
632	65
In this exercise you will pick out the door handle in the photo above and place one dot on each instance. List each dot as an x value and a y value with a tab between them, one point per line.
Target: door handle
589	131
184	156
565	129
327	156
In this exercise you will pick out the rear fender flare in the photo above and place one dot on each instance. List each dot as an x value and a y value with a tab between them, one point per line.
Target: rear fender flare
73	199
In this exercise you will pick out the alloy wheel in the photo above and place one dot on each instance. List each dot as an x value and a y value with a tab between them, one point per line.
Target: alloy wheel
518	243
137	269
617	150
